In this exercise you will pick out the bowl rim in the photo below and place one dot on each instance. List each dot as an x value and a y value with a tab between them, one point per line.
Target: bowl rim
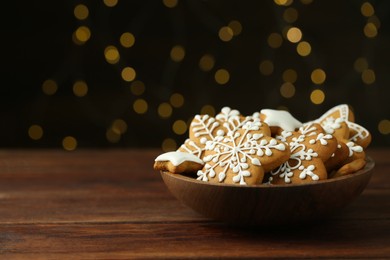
370	164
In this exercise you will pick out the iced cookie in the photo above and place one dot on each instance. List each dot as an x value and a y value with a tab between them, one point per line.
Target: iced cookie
243	154
336	122
310	147
178	162
279	120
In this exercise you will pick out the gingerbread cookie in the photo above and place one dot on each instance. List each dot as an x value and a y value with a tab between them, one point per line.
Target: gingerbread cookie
341	113
235	149
336	122
279	120
349	168
178	162
310	147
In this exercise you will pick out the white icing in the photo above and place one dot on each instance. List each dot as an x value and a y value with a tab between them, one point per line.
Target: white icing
300	152
282	119
330	124
234	154
354	148
361	132
177	158
190	147
228	114
342	110
235	151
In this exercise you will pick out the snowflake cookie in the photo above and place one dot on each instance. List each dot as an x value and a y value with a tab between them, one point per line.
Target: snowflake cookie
234	148
310	147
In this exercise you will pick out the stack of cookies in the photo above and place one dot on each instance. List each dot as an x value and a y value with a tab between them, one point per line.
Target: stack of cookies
269	146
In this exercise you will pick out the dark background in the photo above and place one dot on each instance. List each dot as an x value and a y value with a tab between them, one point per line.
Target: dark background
37	45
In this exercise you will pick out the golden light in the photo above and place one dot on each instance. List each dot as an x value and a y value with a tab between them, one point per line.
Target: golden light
225	33
206	63
35	132
317	96
111	54
236	27
368	76
283	2
367	9
375	20
128	74
164	110
168	145
170	3
318	76
290	15
140	106
137	87
207	110
287	90
49	87
179	127
110	3
81	12
384	126
294	34
360	64
177	53
266	67
290	75
176	100
119	126
370	30
222	76
127	40
304	48
80	88
81	35
69	143
112	136
274	40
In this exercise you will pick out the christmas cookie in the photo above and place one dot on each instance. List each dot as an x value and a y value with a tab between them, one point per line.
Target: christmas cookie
234	148
279	120
349	168
310	147
337	122
178	162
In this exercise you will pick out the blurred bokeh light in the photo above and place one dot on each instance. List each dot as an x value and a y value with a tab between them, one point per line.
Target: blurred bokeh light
116	73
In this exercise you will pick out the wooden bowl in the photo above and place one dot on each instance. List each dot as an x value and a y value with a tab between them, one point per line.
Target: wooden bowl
267	205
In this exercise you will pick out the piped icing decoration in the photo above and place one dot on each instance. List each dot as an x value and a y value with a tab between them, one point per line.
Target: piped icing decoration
353	148
235	149
239	154
279	118
206	128
359	134
332	120
310	147
353	137
177	158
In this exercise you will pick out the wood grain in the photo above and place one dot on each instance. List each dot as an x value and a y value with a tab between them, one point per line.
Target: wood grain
103	204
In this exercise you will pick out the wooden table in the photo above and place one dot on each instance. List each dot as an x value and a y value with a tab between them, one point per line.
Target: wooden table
111	204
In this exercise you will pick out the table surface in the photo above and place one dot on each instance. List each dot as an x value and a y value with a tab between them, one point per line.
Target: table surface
112	204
